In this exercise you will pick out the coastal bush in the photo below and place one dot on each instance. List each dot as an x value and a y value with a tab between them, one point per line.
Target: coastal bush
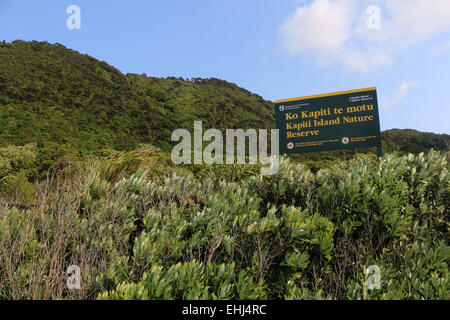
298	234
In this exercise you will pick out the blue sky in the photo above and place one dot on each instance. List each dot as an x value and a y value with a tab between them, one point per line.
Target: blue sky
278	49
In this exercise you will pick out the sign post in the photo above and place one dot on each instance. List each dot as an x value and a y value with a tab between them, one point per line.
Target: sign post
332	121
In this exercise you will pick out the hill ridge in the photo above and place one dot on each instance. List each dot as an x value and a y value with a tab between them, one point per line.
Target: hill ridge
59	98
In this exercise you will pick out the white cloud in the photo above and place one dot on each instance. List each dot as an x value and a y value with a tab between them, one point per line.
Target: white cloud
399	95
416	21
336	32
320	27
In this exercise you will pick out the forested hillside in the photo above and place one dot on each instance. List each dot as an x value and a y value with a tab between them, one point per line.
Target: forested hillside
408	140
67	101
53	95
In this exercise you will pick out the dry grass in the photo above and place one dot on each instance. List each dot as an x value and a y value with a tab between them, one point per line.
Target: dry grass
35	243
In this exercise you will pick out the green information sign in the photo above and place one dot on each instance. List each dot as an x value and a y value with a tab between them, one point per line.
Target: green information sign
333	121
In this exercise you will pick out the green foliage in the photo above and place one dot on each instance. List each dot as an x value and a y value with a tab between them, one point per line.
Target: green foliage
413	141
190	281
293	235
17	170
121	164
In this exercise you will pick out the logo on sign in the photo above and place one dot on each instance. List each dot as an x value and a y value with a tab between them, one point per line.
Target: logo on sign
345	140
290	145
281	108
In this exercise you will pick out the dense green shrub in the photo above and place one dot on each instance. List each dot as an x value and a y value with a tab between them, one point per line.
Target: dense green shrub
17	170
294	235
